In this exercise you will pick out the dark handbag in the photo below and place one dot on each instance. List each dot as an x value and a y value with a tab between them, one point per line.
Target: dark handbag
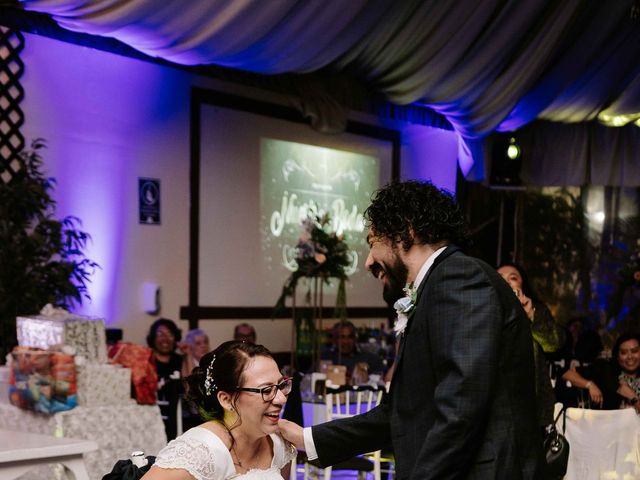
556	448
127	470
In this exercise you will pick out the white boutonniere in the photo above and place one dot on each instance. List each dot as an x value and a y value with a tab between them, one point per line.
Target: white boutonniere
405	307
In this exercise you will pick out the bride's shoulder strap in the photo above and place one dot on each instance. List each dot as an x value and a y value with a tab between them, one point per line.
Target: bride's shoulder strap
283	451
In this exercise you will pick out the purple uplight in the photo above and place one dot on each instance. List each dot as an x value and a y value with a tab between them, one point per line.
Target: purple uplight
105	121
432	153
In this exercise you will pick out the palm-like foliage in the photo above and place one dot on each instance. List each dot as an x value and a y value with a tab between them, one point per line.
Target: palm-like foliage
554	248
42	259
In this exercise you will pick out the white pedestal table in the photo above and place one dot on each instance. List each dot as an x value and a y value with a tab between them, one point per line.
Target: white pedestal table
22	451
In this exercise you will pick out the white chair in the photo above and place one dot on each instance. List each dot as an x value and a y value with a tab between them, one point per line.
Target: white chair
346	401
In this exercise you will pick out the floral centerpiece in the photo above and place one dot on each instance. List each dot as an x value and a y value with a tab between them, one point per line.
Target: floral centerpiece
322	253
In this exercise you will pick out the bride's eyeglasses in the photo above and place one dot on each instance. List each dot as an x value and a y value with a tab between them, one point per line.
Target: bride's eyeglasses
270	391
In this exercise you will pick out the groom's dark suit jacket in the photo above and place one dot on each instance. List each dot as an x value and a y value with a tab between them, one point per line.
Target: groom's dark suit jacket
462	400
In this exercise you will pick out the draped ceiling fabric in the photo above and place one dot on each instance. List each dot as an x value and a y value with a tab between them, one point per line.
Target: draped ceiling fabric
486	65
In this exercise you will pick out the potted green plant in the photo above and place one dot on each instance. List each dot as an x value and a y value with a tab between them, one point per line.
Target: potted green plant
42	259
555	251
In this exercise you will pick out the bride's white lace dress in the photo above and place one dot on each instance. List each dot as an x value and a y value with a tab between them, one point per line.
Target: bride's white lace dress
203	454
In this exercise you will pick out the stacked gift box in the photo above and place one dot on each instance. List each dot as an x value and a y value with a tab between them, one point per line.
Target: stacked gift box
61	362
57	327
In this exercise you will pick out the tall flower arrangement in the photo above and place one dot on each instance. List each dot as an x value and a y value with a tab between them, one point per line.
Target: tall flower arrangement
322	253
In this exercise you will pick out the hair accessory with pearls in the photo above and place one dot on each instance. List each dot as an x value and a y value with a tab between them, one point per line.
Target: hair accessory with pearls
209	385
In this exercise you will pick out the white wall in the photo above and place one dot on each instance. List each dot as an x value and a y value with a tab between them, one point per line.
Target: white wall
109	120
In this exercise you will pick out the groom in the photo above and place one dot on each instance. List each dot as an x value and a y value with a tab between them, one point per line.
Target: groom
462	401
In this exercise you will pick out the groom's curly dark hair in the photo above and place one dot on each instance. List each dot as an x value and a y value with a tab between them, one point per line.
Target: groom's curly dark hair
416	212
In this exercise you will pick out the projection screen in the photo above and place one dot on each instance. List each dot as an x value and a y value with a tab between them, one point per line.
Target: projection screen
257	170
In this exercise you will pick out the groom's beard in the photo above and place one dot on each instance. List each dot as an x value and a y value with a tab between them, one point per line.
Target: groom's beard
397	276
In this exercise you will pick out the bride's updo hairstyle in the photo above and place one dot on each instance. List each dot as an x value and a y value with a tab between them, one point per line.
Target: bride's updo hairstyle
220	370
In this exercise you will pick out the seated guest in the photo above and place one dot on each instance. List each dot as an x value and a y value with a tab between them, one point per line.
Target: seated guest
620	381
163	339
345	351
244	333
194	346
239	392
564	359
626	352
592	374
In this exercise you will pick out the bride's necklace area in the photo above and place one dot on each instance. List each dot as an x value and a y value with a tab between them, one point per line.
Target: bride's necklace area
255	459
237	461
232	448
248	463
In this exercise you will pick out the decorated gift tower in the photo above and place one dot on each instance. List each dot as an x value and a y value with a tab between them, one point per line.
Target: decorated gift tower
65	386
61	362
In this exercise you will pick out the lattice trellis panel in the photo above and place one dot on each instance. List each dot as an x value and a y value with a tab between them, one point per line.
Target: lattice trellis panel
11	94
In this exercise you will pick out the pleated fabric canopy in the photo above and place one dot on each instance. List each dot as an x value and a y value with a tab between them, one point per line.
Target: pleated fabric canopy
486	65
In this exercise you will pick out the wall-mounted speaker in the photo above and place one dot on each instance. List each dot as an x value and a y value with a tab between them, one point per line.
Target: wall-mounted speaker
151	298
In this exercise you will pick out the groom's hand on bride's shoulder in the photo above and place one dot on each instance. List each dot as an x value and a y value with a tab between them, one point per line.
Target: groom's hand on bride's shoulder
292	432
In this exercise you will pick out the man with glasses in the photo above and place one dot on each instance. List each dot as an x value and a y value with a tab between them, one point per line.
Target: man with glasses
461	403
345	351
244	332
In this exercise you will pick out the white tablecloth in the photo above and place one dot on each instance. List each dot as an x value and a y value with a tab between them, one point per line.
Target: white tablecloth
118	430
604	444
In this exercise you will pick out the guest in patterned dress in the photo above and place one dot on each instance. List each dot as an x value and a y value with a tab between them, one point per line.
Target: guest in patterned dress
626	352
615	383
240	394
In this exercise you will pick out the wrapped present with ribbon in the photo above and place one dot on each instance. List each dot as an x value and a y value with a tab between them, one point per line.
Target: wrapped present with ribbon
140	360
42	381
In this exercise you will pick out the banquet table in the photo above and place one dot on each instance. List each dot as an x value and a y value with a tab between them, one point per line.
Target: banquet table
21	451
117	430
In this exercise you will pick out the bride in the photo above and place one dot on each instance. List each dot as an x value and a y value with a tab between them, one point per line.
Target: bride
240	394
